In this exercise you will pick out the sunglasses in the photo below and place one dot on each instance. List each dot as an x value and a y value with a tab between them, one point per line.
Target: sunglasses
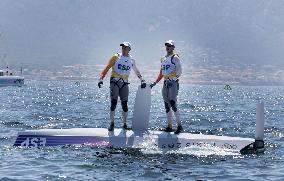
168	45
123	46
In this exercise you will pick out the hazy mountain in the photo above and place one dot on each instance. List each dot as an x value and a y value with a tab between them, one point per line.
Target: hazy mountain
64	32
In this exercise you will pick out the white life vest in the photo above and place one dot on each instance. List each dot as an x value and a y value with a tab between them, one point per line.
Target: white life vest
123	65
167	66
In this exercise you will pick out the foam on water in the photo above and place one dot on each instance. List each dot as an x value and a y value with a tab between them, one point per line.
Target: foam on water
149	147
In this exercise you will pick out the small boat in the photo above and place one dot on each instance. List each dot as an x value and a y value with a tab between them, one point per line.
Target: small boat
138	139
8	79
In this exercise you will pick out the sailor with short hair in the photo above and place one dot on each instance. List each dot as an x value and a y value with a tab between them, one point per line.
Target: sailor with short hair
171	71
121	64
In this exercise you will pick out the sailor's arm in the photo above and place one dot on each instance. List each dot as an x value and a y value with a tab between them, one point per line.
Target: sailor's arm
137	72
103	73
160	76
110	63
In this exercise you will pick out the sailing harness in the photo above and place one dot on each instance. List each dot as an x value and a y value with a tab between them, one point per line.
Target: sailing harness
115	82
173	57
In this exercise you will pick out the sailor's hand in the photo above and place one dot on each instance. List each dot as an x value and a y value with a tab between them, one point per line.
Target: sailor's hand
152	85
100	83
143	84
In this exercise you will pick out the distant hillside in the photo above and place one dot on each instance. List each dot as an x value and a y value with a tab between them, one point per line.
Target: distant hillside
50	34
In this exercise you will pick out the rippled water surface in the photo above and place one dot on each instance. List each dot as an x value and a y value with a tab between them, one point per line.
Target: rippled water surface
204	109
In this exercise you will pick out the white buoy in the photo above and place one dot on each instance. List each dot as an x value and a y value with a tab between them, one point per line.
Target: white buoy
259	132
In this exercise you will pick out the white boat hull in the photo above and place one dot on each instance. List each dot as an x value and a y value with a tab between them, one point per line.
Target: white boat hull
11	81
126	139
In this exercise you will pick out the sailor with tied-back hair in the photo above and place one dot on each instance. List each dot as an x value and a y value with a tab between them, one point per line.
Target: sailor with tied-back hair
121	64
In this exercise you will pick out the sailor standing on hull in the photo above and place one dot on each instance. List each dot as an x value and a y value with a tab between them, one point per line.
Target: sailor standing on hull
170	71
121	64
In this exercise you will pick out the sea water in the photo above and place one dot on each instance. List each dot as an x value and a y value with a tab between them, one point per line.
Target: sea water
204	109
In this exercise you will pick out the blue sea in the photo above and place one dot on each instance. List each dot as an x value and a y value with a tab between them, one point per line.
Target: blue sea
204	109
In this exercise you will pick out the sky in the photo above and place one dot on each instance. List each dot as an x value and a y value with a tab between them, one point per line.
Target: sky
52	33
